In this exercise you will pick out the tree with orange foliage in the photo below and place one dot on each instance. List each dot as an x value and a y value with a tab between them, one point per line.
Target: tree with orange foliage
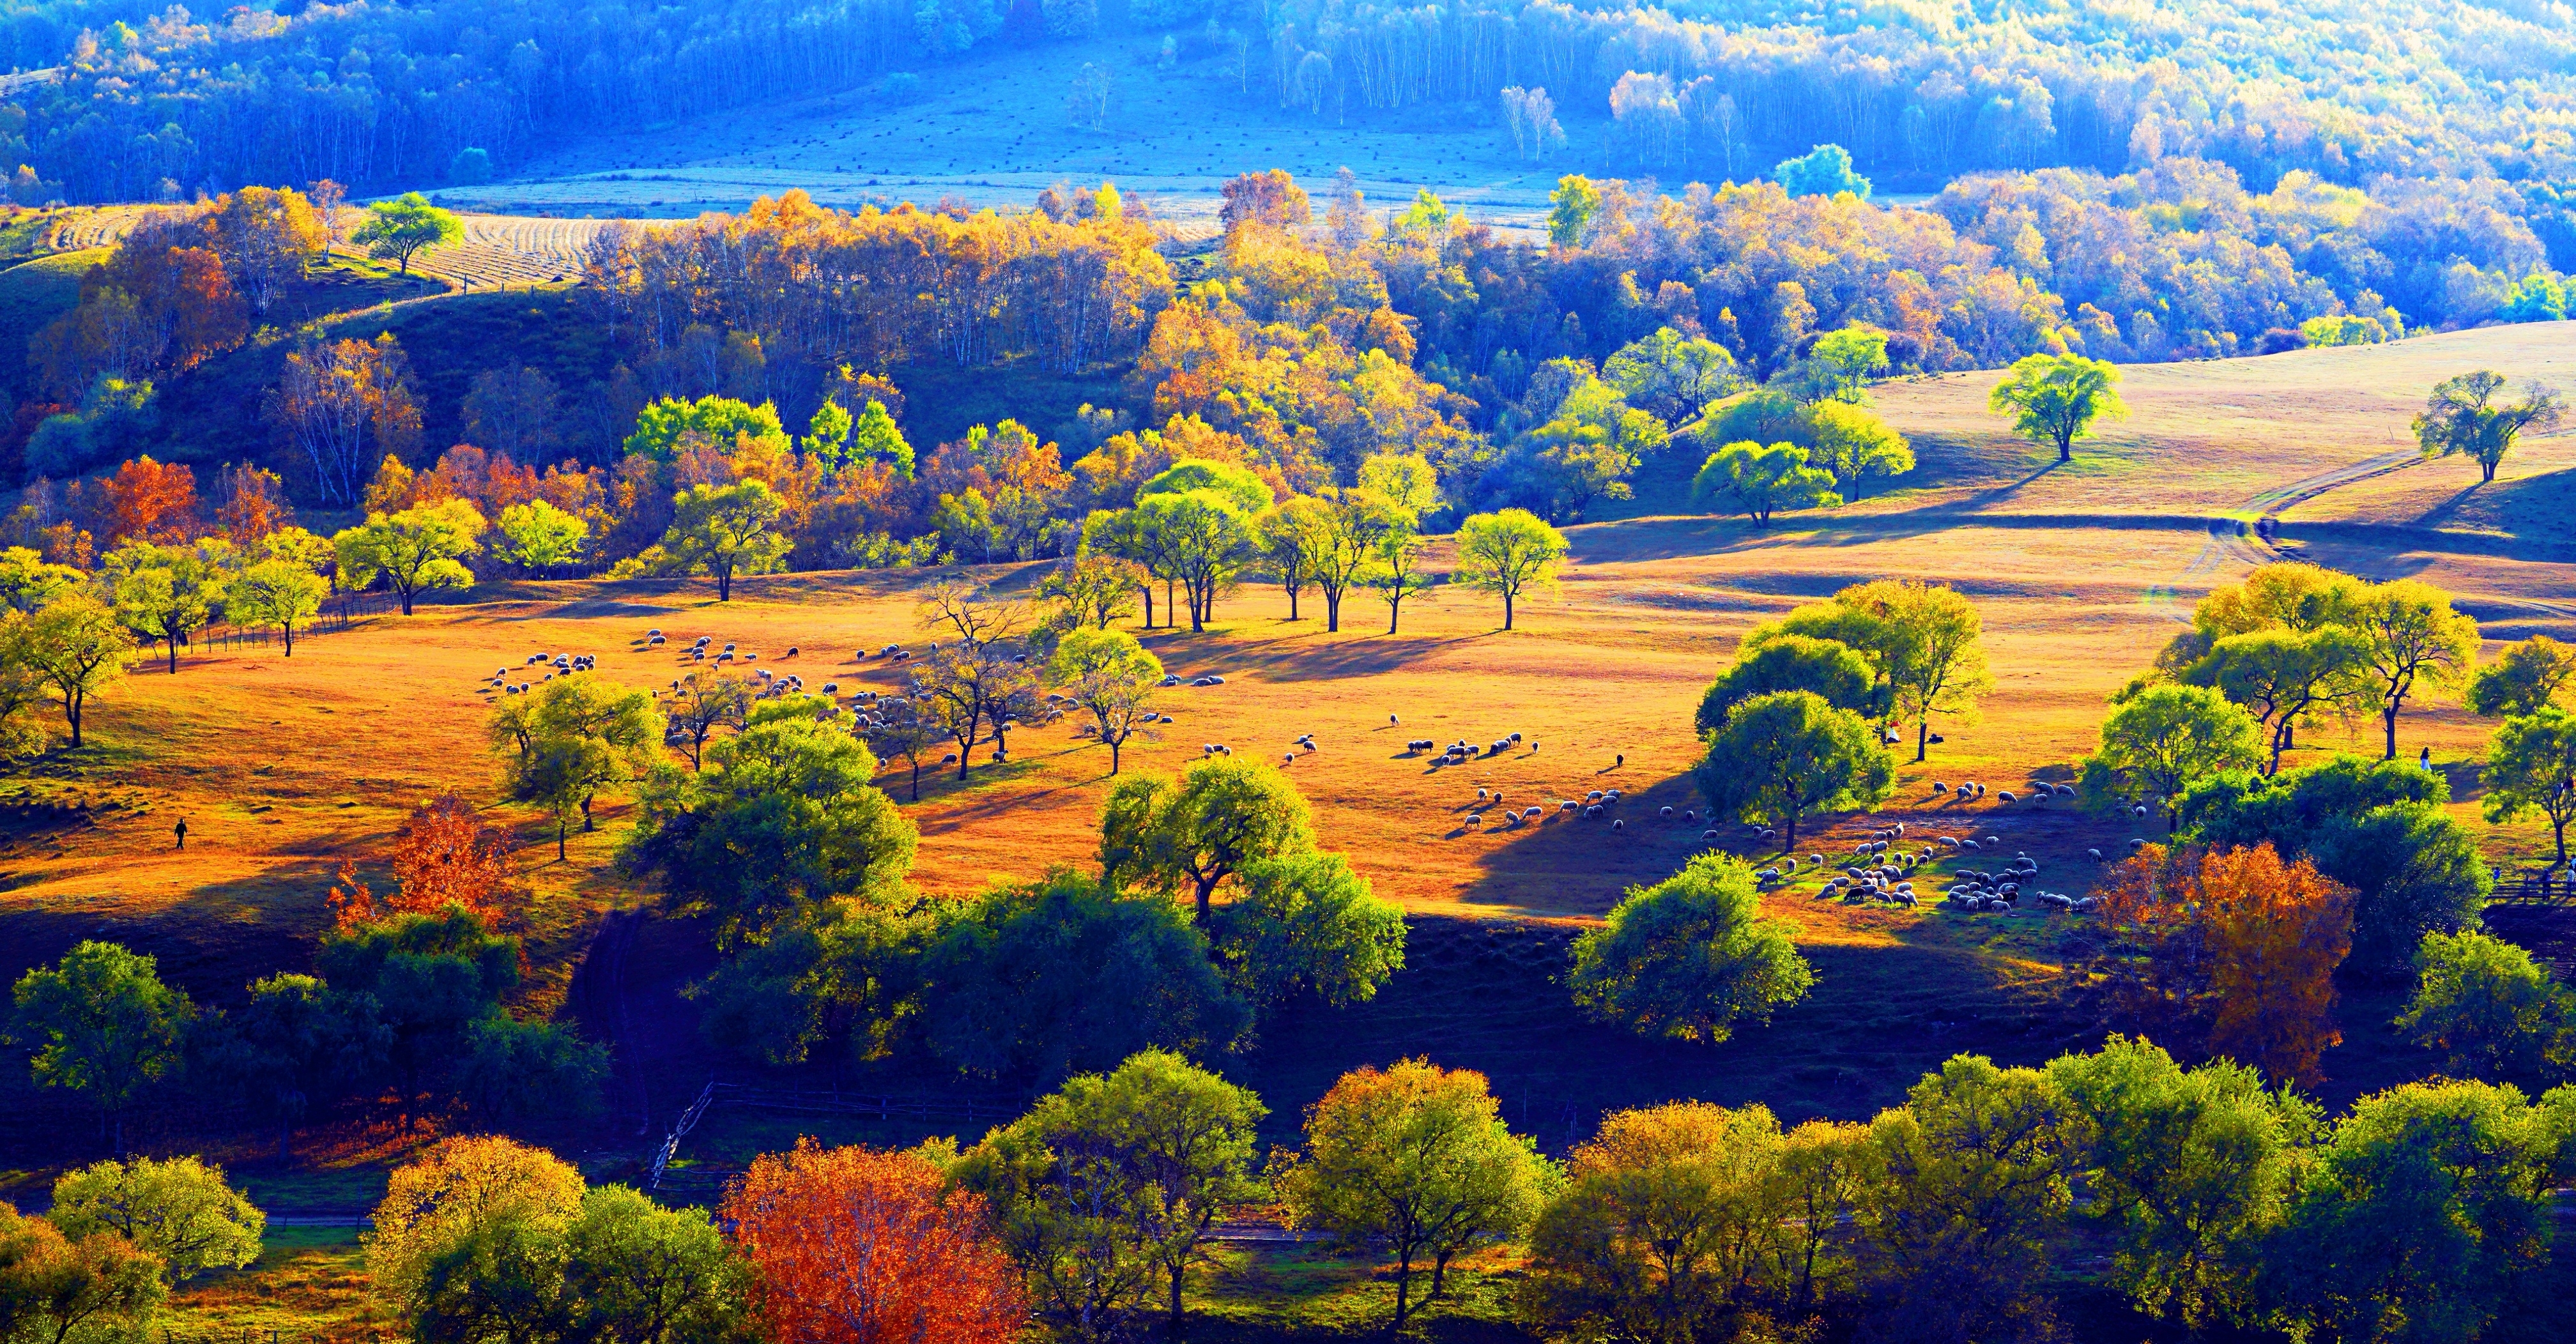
253	503
149	501
2235	943
444	855
859	1246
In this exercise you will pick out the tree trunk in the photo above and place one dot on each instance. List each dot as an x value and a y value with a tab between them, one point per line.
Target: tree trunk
405	595
1113	754
290	639
1178	1272
1292	604
916	779
1403	1288
1149	606
2066	446
1507	608
2388	718
965	753
562	824
1332	612
724	585
72	712
1789	840
174	653
1922	738
2486	471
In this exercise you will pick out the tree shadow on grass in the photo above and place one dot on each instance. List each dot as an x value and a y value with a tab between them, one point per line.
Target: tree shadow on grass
1488	994
1309	655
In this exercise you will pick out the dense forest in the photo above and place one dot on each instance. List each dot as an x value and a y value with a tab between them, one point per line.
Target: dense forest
378	95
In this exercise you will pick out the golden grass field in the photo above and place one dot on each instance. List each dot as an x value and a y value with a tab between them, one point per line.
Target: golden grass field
283	767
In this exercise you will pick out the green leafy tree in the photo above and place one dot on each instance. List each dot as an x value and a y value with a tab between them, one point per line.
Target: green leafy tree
540	538
2488	1007
1240	488
2189	1168
415	551
431	978
395	230
76	646
2282	677
1787	662
2158	743
1825	170
1192	835
2378	827
56	1291
28	581
704	702
783	814
1356	521
179	1210
1406	481
1571	208
1928	638
2528	675
1094	589
2411	636
2461	416
1304	923
295	1042
663	425
874	436
1687	957
1671	375
165	592
2421	1213
1758	482
1852	445
275	593
635	1272
2532	768
1689	1221
1395	572
1416	1160
1507	554
570	738
1066	975
1293	535
1786	755
1848	360
2057	399
1972	1170
1107	1189
1113	679
724	530
1205	538
102	1023
511	1072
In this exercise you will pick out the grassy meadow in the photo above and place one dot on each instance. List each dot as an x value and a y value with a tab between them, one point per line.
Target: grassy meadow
284	767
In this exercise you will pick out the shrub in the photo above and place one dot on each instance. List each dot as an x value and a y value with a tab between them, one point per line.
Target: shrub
1685	958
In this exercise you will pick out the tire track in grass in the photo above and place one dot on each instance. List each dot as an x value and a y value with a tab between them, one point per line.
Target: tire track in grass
2232	539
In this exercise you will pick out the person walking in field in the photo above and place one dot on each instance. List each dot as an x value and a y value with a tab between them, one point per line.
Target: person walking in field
181	831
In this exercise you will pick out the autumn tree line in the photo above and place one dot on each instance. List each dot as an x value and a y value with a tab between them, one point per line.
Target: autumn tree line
169	106
2224	1205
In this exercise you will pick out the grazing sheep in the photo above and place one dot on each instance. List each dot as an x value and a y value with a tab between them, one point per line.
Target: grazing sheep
1620	759
1480	795
1618	823
2007	796
1593	811
1514	737
1567	805
1475	818
2093	854
2140	810
1392	719
1940	787
1708	835
1665	813
791	652
2137	843
1690	814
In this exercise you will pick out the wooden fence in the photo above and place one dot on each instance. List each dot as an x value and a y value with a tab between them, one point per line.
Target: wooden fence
340	612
